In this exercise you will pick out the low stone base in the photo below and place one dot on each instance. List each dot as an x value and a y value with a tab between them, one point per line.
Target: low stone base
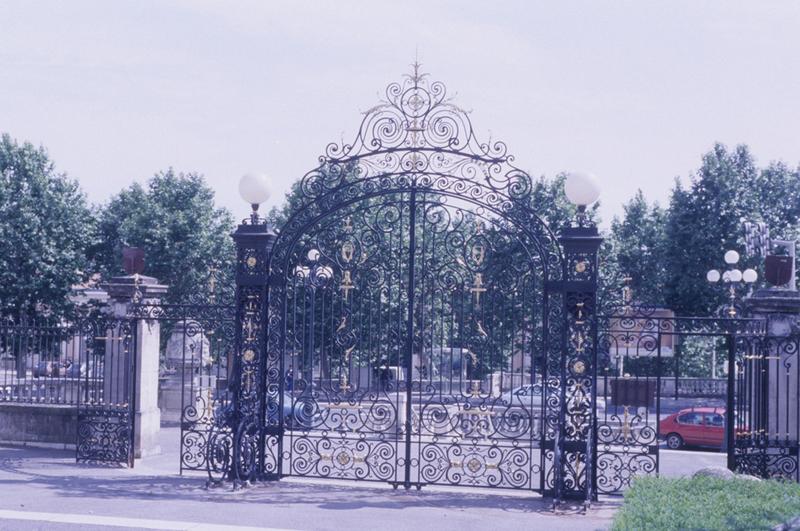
42	445
47	425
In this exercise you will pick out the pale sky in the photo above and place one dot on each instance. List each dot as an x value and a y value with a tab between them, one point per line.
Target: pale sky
634	92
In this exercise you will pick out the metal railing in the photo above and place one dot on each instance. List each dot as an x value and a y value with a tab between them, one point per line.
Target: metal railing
53	362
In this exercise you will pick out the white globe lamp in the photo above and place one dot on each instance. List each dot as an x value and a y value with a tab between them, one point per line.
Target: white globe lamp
254	188
731	257
713	276
749	276
581	188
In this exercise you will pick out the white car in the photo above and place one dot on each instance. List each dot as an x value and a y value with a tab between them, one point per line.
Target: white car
530	396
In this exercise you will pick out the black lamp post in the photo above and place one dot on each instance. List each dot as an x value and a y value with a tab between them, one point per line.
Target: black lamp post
254	241
575	448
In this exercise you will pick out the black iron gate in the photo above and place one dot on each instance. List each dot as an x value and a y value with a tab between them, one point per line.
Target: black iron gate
102	352
406	359
414	322
196	345
766	413
409	321
642	381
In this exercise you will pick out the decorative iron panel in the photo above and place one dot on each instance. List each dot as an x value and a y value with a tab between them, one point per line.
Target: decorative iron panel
106	354
476	389
197	342
640	349
767	415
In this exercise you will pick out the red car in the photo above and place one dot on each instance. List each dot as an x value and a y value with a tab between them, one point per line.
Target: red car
697	426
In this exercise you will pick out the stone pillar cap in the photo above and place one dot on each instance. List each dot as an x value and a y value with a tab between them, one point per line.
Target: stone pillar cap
774	300
124	287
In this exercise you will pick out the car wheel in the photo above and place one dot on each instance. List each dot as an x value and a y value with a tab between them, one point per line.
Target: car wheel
674	441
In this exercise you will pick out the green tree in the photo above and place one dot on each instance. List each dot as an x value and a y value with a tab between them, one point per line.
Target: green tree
778	202
706	218
45	226
184	235
638	244
550	203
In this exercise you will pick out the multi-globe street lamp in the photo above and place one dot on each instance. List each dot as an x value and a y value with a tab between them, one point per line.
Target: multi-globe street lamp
732	278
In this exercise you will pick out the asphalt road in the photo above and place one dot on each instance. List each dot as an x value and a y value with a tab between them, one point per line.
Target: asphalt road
46	489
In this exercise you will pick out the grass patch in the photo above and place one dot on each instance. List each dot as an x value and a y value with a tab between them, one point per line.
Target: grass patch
707	503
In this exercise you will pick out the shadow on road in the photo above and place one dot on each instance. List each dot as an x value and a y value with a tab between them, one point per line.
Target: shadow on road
56	471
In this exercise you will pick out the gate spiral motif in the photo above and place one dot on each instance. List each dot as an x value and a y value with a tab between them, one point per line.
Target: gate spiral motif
411	334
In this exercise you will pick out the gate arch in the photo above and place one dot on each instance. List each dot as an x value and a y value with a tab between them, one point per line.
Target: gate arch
412	334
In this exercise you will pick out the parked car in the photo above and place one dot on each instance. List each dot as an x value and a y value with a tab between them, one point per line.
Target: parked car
530	395
524	395
301	415
698	426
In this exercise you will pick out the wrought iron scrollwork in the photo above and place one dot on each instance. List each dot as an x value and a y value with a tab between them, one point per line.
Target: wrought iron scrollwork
437	273
105	408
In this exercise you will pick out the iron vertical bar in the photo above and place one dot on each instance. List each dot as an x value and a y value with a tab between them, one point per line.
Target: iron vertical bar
412	248
308	362
730	403
545	384
131	355
263	382
183	385
659	337
677	363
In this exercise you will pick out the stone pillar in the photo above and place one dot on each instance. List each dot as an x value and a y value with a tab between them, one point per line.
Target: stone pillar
402	418
496	384
773	394
147	416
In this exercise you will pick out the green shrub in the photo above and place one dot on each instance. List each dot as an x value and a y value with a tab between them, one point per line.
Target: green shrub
707	503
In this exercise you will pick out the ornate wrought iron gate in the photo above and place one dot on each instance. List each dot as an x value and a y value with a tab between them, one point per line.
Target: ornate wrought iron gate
409	321
405	358
103	351
197	341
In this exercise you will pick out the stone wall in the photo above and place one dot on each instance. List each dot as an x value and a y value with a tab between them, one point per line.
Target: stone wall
45	425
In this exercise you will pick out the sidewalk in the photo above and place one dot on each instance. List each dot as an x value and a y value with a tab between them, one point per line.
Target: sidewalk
154	496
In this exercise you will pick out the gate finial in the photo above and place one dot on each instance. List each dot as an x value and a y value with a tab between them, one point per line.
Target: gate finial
416	77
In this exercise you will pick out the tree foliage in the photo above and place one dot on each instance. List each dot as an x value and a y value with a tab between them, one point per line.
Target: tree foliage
706	218
46	224
184	235
638	247
668	252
